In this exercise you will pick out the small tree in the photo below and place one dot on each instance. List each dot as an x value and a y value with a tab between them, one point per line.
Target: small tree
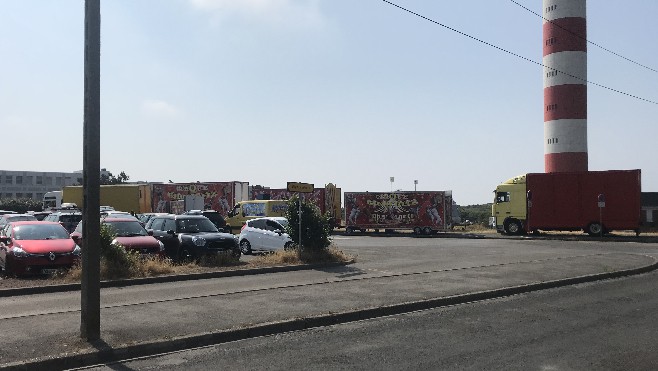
111	179
315	227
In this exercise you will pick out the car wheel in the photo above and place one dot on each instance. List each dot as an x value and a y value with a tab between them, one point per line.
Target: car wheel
236	253
184	255
245	247
594	229
288	246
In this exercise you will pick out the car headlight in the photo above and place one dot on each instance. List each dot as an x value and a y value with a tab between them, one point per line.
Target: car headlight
161	246
198	241
19	253
77	251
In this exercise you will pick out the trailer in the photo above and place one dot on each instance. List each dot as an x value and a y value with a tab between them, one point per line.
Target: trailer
424	212
327	199
595	202
179	197
124	197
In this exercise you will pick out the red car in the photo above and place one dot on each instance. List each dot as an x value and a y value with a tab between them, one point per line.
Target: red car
36	247
129	233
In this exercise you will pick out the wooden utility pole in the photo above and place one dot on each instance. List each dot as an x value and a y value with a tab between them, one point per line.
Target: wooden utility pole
90	295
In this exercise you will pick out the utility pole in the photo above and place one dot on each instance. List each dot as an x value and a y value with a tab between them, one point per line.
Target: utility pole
90	323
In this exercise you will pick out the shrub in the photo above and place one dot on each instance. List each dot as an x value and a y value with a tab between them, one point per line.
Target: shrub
315	227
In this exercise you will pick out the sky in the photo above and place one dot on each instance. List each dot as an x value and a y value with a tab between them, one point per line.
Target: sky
319	91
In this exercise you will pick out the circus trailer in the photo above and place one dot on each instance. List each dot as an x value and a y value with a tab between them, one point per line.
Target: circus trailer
327	199
424	212
218	196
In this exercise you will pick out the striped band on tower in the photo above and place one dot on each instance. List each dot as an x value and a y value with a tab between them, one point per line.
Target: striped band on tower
565	86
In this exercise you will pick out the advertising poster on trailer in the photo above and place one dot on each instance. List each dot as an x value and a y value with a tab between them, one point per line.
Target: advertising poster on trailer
169	198
398	210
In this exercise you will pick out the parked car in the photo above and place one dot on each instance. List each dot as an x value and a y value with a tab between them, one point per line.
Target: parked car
8	218
215	217
69	219
189	237
40	215
264	235
130	234
36	246
145	217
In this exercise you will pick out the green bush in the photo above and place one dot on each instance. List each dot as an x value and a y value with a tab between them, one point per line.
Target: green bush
116	261
315	227
20	205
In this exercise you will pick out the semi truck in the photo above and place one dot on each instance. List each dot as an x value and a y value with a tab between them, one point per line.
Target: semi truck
327	199
595	202
424	212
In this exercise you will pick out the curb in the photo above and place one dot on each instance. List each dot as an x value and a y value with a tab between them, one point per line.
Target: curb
20	291
106	354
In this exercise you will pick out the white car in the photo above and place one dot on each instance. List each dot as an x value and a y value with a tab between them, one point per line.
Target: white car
264	235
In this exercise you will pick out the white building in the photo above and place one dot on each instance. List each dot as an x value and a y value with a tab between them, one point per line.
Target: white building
33	184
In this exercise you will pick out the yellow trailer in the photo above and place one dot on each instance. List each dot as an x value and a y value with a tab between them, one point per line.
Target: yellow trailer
123	197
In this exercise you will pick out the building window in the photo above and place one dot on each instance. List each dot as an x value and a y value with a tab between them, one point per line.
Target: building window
19	180
39	180
9	179
19	195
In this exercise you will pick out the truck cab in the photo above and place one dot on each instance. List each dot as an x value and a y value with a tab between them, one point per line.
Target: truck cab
510	206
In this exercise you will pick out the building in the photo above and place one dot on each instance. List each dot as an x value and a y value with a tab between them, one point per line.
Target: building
649	202
565	85
33	184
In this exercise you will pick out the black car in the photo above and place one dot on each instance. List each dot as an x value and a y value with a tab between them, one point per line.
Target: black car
215	217
189	237
69	219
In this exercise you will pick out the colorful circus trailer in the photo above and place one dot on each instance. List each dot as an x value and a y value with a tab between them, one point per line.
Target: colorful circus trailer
327	199
177	198
424	212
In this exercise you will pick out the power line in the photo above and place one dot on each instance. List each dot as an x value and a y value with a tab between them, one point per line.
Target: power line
580	37
518	55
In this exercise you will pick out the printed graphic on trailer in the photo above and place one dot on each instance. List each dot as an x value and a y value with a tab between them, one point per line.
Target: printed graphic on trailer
215	196
404	210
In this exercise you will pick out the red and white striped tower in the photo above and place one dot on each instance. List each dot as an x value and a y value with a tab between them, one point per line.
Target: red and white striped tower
565	86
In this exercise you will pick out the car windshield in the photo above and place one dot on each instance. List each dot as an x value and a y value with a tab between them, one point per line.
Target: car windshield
40	232
195	225
127	229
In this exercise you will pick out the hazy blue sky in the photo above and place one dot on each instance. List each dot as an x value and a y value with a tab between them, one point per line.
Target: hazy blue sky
345	91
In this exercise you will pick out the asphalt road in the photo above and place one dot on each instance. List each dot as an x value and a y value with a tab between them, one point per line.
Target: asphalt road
607	325
388	271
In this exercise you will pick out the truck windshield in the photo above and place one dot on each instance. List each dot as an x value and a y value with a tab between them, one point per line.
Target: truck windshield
502	197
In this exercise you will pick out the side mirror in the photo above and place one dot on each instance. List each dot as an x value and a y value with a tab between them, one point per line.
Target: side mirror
76	238
171	232
149	232
278	231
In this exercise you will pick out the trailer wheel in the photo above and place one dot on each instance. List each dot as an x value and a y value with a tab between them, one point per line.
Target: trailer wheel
594	229
513	227
427	230
349	230
417	230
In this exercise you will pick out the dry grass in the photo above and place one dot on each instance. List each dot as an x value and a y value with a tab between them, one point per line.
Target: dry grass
291	257
153	266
